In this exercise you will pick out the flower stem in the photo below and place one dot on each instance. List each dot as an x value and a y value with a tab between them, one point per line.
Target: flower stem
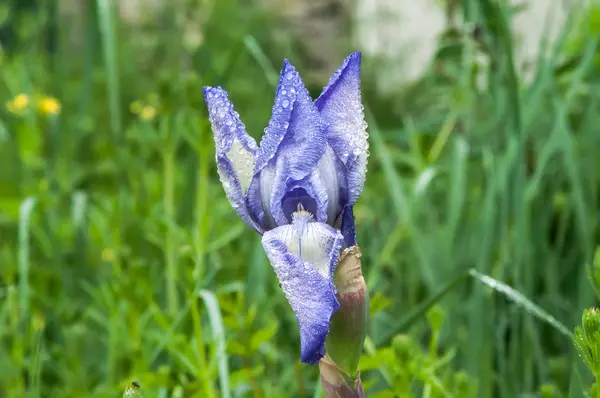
337	384
169	209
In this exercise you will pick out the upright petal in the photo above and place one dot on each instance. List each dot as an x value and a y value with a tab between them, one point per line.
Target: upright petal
292	145
348	228
304	255
295	125
236	151
341	107
311	186
332	174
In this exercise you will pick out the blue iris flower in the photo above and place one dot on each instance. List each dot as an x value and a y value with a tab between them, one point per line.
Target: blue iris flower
297	188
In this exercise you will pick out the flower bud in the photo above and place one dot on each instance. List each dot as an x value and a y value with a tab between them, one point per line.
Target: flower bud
403	346
591	322
348	327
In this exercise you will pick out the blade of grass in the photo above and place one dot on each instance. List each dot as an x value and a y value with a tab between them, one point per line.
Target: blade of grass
261	58
25	211
106	22
218	332
519	299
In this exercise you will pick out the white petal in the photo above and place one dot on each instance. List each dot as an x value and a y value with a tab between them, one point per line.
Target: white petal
243	162
309	241
329	179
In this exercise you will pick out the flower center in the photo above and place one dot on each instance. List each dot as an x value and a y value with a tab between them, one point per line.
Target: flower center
298	200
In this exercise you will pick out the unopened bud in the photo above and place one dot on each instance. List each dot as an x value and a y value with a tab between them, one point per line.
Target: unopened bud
591	322
403	346
348	327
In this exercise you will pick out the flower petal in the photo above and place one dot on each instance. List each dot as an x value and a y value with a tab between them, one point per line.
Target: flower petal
236	151
341	107
292	145
295	124
348	228
304	256
332	174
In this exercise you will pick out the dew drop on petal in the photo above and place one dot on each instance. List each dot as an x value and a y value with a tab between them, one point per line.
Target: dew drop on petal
285	103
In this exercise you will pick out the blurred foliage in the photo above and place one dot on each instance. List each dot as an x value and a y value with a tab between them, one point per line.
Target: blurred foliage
121	259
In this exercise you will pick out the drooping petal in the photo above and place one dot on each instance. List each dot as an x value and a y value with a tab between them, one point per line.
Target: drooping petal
292	145
341	107
236	151
304	255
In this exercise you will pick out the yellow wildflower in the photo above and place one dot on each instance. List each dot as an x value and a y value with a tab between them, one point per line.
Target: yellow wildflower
49	106
108	255
18	104
148	113
38	322
135	107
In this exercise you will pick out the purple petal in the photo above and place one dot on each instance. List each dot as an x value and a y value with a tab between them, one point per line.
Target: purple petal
236	151
332	175
341	107
348	228
293	143
312	185
304	256
326	186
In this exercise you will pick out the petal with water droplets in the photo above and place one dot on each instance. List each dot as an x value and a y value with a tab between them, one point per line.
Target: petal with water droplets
293	143
341	106
304	256
236	151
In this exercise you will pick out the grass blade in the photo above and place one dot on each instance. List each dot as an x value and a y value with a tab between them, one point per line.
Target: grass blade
521	300
25	211
216	324
106	16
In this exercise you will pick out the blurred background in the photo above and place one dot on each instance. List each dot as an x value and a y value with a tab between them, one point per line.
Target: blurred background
121	259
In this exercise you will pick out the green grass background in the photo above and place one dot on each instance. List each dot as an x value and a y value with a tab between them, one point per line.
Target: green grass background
121	259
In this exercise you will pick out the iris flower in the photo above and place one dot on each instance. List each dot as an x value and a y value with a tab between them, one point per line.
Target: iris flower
297	188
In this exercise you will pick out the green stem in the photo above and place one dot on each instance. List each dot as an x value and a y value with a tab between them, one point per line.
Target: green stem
338	384
169	208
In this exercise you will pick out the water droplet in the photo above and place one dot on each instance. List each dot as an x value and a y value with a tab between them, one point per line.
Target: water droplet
286	125
285	103
221	113
283	92
290	75
229	122
293	90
